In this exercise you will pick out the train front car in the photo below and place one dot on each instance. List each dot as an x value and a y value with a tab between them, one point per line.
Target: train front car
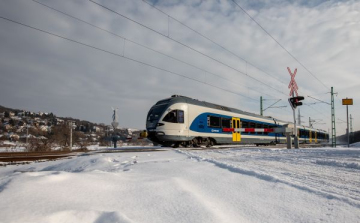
166	122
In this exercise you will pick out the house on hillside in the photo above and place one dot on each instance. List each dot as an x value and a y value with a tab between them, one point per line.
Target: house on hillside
59	121
97	129
14	137
45	128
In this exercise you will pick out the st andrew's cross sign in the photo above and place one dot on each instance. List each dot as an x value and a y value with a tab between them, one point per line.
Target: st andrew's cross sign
293	86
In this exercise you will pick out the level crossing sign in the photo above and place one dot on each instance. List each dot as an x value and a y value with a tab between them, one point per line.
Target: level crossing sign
292	85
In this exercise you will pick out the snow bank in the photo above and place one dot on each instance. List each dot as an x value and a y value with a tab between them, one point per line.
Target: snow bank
356	145
225	185
338	164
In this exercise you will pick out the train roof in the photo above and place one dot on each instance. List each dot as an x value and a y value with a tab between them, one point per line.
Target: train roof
183	99
178	99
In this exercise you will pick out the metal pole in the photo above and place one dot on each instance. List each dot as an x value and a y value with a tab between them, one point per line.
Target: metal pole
351	129
347	120
333	129
70	136
296	141
27	136
299	117
261	106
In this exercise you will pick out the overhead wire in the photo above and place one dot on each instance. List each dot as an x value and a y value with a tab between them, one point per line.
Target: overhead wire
278	43
146	47
209	39
123	56
183	44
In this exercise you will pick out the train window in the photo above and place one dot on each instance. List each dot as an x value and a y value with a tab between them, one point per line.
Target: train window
156	112
252	125
180	116
259	125
266	127
245	124
174	116
226	123
307	133
214	121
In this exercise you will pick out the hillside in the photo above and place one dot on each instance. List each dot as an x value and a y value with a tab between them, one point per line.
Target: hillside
354	137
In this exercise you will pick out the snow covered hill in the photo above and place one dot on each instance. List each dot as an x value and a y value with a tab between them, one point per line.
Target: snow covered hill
221	185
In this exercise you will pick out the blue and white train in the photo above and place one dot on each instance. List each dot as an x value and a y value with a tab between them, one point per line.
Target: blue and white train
182	121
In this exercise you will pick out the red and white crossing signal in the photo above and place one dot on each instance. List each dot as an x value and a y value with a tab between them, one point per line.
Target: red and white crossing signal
293	86
296	101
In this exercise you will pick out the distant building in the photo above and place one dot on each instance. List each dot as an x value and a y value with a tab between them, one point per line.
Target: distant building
14	137
96	129
59	121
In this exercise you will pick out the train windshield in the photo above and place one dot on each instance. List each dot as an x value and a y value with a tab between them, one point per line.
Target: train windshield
156	112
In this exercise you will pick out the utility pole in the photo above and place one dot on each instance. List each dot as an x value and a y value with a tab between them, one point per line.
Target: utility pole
70	144
299	117
333	129
261	105
27	137
311	122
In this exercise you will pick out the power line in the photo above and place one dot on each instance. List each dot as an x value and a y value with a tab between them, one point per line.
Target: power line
278	42
209	39
123	56
320	101
141	45
191	48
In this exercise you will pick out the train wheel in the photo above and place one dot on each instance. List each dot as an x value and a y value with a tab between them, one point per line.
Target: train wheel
195	143
210	142
187	144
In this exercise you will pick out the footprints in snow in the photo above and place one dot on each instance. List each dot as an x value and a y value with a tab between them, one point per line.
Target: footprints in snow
125	165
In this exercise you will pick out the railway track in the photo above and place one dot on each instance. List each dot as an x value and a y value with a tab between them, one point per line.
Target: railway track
22	157
14	158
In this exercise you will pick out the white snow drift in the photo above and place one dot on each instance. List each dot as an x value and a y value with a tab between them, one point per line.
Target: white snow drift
223	185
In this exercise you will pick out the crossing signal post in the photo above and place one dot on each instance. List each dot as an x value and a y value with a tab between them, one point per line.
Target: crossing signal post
294	102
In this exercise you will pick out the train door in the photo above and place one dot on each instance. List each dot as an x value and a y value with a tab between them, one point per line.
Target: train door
310	136
315	133
236	134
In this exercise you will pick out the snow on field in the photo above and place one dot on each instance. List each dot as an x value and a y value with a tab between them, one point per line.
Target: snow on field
221	185
357	144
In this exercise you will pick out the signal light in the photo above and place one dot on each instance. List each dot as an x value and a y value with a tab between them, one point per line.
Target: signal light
296	101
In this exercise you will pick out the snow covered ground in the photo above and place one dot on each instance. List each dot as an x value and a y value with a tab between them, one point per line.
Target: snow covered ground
220	185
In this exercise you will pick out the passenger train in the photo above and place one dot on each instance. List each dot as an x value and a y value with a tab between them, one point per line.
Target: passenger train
183	121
